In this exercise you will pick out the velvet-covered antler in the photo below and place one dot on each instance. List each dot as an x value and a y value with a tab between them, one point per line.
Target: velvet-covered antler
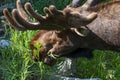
54	19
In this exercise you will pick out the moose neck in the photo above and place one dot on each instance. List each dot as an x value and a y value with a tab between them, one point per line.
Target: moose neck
93	41
105	29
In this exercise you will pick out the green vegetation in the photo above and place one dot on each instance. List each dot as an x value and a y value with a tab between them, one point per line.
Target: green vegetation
105	65
16	62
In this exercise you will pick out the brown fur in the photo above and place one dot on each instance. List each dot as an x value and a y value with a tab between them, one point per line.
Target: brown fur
100	7
102	35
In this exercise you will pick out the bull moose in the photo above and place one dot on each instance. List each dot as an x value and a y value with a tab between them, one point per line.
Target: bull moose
64	31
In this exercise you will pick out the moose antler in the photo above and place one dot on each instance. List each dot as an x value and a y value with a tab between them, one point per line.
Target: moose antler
54	19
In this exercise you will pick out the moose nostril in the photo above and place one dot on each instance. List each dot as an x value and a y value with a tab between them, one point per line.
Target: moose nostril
49	61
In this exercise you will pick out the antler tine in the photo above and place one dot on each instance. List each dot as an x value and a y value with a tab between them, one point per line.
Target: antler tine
21	11
26	24
49	12
68	12
31	11
81	19
90	17
54	10
9	18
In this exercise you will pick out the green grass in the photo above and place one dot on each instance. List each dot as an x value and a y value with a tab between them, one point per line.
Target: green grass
105	65
16	62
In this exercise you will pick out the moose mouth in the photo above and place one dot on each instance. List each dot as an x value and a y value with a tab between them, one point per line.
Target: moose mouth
81	52
49	61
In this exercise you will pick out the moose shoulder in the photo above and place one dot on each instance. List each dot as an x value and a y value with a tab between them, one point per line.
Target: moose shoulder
107	25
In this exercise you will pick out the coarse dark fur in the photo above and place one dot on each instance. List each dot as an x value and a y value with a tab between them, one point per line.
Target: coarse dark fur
103	34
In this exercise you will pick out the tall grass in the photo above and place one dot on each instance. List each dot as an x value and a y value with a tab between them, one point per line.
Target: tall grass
16	62
105	65
16	59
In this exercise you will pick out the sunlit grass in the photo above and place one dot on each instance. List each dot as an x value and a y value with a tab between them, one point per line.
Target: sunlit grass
17	58
16	62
